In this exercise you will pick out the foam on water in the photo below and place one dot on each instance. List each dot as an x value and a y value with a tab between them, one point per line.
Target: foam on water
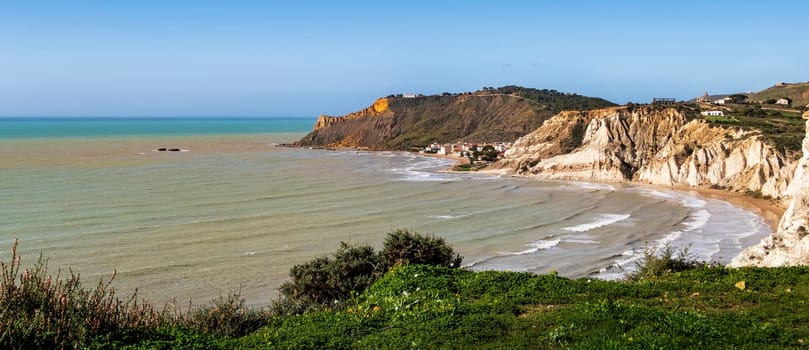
601	221
448	216
536	246
592	186
224	208
711	228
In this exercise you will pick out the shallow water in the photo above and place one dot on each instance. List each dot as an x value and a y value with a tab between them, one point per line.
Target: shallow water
236	212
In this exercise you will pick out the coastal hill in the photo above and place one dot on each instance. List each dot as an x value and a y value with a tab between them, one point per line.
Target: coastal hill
670	146
653	145
403	122
797	93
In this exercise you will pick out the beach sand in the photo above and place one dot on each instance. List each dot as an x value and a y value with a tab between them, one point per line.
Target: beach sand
768	209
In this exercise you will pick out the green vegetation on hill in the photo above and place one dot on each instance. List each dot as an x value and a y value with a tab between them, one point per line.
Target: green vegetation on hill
784	130
555	101
488	115
798	93
670	303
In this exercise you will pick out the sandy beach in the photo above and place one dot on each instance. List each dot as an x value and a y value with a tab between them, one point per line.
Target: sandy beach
768	209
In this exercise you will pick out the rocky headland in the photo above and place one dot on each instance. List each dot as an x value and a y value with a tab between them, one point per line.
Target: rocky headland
789	244
405	122
651	145
646	144
661	146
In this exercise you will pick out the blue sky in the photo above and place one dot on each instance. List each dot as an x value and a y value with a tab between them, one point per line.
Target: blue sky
304	58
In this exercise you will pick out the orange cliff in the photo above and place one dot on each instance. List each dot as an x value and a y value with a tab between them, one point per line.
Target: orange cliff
379	107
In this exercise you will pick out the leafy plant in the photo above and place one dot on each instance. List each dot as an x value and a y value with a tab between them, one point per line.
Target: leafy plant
405	247
225	317
38	310
653	265
327	280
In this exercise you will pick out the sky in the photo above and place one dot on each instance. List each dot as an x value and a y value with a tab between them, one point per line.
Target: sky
305	58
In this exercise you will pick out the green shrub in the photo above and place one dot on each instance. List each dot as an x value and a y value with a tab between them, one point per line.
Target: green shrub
351	269
326	280
225	317
38	310
405	247
653	265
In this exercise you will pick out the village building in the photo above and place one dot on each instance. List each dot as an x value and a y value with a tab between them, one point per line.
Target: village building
704	98
713	113
663	101
723	101
783	101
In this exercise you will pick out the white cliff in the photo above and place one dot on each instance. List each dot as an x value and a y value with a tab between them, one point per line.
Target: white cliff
789	245
650	145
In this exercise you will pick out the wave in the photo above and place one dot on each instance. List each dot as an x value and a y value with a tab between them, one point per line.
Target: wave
655	193
580	241
700	219
691	202
592	186
536	246
448	216
602	220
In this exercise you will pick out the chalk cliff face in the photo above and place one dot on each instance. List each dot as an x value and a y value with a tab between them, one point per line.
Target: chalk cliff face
651	145
789	245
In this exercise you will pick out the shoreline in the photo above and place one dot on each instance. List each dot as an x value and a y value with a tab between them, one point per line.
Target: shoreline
768	209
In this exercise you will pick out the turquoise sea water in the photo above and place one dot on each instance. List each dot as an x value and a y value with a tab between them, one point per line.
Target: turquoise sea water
22	128
235	212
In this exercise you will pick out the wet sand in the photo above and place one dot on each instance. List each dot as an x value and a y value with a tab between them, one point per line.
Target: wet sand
768	209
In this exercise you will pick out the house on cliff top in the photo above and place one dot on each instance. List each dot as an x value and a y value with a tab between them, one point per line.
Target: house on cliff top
713	113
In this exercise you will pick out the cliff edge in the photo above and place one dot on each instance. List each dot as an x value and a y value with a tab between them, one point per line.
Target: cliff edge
789	245
661	146
652	145
407	122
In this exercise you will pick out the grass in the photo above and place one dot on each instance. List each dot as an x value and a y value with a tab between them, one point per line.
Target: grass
428	307
40	310
721	119
670	303
783	130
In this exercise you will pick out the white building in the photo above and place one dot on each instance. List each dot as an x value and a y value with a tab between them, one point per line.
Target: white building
723	101
713	113
409	95
782	101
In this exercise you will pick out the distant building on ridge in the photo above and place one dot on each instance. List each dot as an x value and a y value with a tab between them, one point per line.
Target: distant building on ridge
722	101
713	113
663	101
783	101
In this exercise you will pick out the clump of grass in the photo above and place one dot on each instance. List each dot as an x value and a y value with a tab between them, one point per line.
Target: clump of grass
653	265
225	317
38	310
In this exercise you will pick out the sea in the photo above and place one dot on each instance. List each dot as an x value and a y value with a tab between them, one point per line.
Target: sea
232	212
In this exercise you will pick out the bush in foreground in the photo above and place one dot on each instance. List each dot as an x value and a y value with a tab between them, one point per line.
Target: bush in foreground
653	265
405	247
351	269
40	311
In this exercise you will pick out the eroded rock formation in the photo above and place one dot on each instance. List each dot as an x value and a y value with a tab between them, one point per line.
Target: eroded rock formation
650	145
789	245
